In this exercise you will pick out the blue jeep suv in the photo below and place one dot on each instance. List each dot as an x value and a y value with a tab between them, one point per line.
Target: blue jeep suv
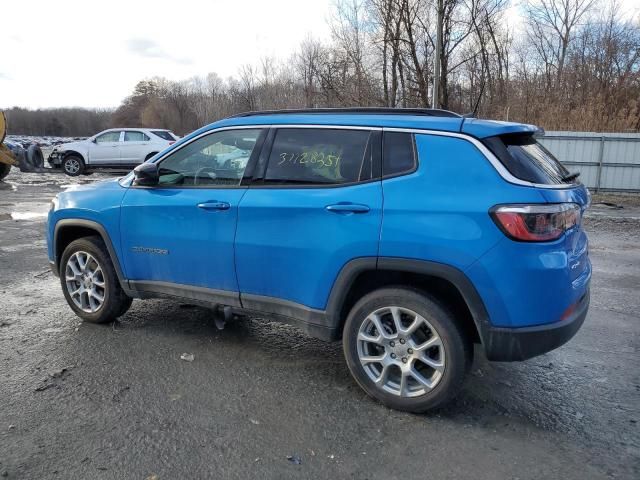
410	234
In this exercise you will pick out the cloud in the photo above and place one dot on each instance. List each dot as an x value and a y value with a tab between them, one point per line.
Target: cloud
148	48
5	76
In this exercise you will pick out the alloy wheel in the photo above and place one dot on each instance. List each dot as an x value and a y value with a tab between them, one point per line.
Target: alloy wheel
85	281
72	166
400	351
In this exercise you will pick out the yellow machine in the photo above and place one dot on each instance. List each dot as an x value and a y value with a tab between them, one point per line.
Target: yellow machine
29	160
6	156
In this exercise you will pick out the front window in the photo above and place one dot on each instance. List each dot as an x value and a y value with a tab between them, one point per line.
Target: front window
108	137
216	159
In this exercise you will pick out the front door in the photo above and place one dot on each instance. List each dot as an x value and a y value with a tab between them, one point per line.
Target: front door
105	148
178	236
317	207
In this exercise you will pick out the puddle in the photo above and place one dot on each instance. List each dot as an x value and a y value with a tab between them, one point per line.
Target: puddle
8	186
28	215
36	244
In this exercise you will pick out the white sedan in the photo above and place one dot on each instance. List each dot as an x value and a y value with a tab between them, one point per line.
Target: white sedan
117	148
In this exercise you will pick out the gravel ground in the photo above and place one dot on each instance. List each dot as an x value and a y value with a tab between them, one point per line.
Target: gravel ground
115	401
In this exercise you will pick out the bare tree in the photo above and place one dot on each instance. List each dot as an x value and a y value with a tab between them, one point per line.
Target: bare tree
551	26
569	70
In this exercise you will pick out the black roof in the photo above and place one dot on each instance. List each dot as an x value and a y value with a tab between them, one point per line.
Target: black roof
429	112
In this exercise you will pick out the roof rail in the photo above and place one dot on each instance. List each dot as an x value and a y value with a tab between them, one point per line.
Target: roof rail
428	112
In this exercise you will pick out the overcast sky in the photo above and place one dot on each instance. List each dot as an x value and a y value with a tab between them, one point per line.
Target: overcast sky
92	53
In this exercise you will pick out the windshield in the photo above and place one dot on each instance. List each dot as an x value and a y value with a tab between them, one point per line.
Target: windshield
528	160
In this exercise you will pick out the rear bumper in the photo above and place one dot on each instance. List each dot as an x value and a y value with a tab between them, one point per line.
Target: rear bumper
513	344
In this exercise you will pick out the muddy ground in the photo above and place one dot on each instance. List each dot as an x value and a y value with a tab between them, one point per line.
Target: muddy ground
83	401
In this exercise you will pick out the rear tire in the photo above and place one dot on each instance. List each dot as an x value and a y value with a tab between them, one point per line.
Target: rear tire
4	170
35	157
419	359
73	165
90	283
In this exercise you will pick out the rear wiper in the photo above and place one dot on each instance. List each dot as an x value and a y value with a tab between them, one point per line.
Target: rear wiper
570	177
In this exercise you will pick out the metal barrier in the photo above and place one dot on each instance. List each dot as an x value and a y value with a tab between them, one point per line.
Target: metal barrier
606	161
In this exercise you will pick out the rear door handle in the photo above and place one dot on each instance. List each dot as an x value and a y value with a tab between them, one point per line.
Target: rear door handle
214	205
347	208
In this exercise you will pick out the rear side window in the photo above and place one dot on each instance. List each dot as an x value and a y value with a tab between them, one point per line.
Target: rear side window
528	160
131	136
399	153
164	135
308	156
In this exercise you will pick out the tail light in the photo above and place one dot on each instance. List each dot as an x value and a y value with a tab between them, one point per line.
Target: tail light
536	223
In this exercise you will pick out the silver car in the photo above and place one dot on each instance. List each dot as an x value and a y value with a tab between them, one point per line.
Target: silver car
116	148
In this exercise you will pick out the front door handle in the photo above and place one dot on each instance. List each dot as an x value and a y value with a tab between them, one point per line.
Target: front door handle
347	208
214	205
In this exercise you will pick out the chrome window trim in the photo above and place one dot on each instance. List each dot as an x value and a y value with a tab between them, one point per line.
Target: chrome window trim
501	169
263	126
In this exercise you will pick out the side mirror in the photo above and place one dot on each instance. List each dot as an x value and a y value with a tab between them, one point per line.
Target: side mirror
146	174
94	140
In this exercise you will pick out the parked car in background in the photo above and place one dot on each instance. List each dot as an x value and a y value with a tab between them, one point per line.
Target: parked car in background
410	234
117	148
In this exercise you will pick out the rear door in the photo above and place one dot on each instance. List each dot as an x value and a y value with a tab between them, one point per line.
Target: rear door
105	148
134	148
314	205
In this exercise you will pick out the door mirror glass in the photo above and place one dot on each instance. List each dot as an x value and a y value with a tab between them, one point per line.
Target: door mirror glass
146	174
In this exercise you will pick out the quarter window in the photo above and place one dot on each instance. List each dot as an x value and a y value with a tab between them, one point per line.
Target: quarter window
308	156
108	137
164	134
399	153
528	160
217	159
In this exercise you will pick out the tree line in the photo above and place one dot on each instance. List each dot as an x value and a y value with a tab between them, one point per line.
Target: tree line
562	64
58	122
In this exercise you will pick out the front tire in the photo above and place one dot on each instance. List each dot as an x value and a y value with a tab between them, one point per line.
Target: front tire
90	283
405	349
73	165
